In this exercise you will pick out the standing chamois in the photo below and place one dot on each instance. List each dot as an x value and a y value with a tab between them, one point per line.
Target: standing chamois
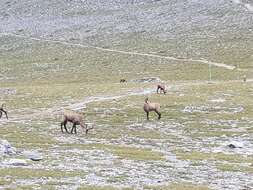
3	111
149	107
161	87
76	119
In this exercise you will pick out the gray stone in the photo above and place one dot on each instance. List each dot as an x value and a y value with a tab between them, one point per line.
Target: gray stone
6	148
16	162
33	155
235	144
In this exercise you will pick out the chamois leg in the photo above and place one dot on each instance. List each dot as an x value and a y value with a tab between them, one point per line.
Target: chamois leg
61	127
1	113
64	123
65	127
147	115
73	128
5	112
159	114
157	90
86	131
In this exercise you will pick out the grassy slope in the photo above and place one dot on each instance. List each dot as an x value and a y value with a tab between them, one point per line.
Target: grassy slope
47	75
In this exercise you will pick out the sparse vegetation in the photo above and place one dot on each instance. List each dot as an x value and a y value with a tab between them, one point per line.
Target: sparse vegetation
39	78
179	186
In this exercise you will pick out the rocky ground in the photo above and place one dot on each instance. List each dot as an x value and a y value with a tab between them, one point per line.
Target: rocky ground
71	54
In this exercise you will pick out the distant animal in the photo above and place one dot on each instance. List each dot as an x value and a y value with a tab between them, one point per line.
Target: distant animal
74	118
3	111
244	78
161	88
231	146
150	106
122	80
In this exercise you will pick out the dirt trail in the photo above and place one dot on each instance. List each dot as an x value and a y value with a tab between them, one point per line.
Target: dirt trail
225	66
57	110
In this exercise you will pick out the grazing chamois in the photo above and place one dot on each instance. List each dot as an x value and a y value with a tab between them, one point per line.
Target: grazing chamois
123	80
76	119
161	88
150	106
3	111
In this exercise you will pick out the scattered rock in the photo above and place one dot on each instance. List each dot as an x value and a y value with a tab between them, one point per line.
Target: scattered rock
217	109
231	146
16	162
73	39
219	100
162	51
7	91
145	80
6	148
235	144
33	155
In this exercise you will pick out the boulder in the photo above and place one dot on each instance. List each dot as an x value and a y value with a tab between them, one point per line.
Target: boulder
6	148
235	144
33	155
16	162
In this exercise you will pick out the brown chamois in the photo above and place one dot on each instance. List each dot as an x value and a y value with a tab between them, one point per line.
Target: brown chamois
149	107
76	119
161	88
123	80
3	111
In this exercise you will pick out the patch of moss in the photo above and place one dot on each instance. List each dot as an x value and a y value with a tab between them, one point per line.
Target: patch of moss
4	182
123	152
102	188
196	156
234	168
24	173
137	153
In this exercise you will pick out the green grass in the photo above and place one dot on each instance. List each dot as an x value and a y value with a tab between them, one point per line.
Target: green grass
235	168
4	182
26	173
137	153
49	75
26	135
123	152
194	155
102	188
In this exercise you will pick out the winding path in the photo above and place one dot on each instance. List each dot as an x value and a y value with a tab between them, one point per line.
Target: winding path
225	66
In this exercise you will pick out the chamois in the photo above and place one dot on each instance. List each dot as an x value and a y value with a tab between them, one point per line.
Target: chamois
244	78
161	87
123	80
3	111
76	119
149	107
